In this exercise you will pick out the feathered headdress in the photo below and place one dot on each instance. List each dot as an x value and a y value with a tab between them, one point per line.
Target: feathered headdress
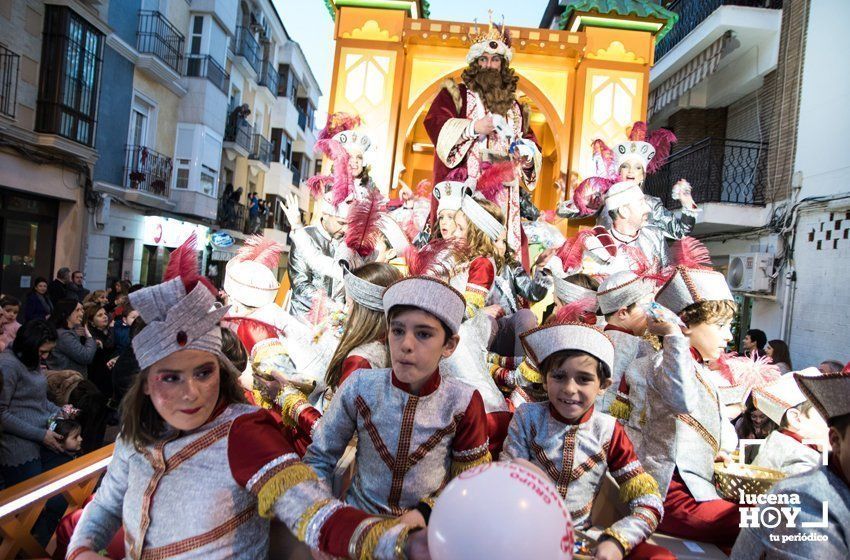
746	372
362	231
433	258
589	196
572	251
183	263
690	253
336	123
342	179
651	148
261	249
491	182
662	140
317	184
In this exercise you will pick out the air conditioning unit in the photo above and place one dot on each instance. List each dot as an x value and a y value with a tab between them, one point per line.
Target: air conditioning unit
750	272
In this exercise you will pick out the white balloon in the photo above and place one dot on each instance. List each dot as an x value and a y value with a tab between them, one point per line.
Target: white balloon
500	511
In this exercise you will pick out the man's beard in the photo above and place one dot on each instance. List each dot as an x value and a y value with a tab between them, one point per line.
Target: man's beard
497	88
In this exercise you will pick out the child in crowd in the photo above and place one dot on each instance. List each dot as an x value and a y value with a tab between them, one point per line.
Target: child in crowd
71	433
790	449
415	429
449	195
576	445
823	493
687	426
9	324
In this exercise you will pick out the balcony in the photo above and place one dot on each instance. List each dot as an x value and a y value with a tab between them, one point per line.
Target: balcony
9	64
205	66
160	47
248	48
728	179
269	77
147	171
238	137
261	151
233	216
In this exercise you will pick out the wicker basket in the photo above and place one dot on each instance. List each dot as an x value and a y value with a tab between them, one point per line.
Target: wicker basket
733	478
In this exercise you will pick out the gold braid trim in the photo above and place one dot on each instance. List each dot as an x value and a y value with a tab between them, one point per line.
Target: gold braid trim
373	536
400	541
280	484
640	485
460	466
529	373
474	302
289	407
620	409
619	538
304	520
429	500
260	400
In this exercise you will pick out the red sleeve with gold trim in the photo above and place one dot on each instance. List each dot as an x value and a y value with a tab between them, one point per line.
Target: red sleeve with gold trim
351	364
481	277
470	446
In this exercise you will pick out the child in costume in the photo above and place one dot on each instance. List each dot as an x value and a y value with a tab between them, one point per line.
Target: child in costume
196	472
823	493
576	445
686	427
785	404
415	429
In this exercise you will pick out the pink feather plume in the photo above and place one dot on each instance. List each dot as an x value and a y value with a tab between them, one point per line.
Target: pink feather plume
572	251
432	258
458	174
362	231
342	184
746	371
579	311
423	189
411	230
491	182
318	309
662	140
589	196
548	216
183	262
263	250
690	253
604	160
336	123
638	132
318	183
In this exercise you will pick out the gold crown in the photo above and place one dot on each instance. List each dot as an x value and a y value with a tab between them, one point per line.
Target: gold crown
493	33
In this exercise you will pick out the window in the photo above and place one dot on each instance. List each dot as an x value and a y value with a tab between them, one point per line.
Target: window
208	177
281	146
197	34
71	56
287	85
9	63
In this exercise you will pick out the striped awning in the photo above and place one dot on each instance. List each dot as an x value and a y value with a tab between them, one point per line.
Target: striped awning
695	71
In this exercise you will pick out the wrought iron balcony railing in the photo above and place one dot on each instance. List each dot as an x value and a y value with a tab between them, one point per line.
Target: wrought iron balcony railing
693	12
261	149
9	64
233	216
248	47
157	36
205	66
147	170
240	134
269	77
718	169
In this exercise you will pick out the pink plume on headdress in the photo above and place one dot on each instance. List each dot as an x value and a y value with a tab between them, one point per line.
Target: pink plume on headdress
579	311
342	184
336	123
457	174
432	258
317	184
572	251
411	230
638	132
746	371
643	267
423	189
362	230
548	216
183	262
589	195
690	253
604	160
318	309
263	250
491	182
662	140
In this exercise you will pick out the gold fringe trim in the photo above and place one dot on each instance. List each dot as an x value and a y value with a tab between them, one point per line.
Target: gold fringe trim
309	513
641	485
474	299
288	406
280	484
260	400
373	536
619	538
461	466
529	373
620	409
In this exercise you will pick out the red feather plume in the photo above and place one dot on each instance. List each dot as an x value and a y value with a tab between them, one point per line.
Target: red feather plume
579	311
491	182
411	230
572	250
342	183
183	262
423	189
336	123
263	250
662	140
317	185
362	231
432	258
690	253
458	174
589	195
638	132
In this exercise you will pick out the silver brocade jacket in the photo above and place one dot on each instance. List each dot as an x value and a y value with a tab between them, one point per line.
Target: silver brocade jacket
514	281
305	279
670	225
786	454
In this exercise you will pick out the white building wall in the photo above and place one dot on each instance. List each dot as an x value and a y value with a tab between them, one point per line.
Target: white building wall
122	222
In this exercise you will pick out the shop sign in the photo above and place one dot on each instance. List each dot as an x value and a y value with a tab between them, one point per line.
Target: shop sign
168	232
222	239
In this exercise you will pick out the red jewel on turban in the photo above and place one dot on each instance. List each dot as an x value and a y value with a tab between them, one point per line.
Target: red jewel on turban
182	338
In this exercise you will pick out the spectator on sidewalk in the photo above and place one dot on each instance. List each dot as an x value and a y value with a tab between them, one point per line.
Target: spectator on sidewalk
76	288
75	347
830	366
754	343
38	304
778	351
58	288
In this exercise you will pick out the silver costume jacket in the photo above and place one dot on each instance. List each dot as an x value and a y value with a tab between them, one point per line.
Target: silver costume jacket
671	225
688	425
822	492
514	281
784	453
408	446
577	456
305	279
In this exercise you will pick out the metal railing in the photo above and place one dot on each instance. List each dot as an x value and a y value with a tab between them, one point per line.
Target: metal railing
269	77
9	64
205	66
248	47
693	12
157	36
718	169
261	149
240	134
233	216
147	170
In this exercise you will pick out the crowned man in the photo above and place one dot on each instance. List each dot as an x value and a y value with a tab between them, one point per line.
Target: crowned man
479	122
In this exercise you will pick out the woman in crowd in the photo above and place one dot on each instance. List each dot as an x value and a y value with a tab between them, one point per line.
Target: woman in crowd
75	347
778	351
97	323
38	304
97	296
